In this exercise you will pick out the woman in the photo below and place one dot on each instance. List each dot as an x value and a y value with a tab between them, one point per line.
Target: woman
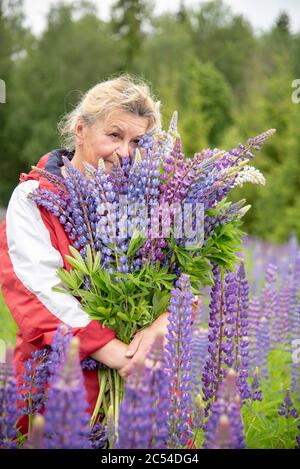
108	121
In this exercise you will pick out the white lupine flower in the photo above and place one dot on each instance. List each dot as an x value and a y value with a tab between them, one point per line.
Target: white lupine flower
249	174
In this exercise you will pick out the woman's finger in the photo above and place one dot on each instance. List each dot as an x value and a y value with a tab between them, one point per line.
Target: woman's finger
133	346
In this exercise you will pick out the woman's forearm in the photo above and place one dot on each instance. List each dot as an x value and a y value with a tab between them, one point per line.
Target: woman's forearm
112	354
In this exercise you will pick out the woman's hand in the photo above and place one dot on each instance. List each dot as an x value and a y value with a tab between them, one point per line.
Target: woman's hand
142	342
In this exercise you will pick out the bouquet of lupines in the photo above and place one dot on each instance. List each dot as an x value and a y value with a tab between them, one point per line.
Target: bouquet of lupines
135	230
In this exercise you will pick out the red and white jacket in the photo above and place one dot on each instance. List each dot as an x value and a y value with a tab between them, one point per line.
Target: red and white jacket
33	245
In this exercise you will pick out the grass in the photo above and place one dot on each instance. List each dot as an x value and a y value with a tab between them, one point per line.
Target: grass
8	327
265	429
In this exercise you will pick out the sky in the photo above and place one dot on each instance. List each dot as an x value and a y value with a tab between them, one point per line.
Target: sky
261	13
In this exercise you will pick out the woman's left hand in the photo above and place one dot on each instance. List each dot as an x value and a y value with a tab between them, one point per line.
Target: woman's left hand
142	342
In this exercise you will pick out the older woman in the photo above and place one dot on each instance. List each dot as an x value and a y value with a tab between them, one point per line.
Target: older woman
109	120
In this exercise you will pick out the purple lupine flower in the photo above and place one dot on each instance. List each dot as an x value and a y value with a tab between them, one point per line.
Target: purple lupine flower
145	408
134	426
39	371
35	438
199	348
8	403
222	331
227	214
270	304
98	436
89	364
295	371
59	348
199	413
254	143
159	386
55	203
228	332
57	181
228	403
254	318
82	204
262	346
213	370
287	408
34	380
144	179
164	142
178	357
295	322
117	177
242	332
146	141
67	419
285	309
223	437
229	344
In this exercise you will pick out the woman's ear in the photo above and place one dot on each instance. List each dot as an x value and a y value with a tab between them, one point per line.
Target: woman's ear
79	127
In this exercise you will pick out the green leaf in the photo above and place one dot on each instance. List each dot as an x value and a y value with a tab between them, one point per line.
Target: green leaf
97	260
80	265
99	280
160	301
68	278
136	242
60	290
105	311
89	259
123	316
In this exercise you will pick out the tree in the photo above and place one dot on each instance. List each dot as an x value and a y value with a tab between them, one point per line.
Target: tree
14	40
70	57
205	94
227	41
128	17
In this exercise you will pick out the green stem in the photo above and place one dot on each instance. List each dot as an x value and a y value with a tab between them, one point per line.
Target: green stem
102	379
111	389
105	406
118	397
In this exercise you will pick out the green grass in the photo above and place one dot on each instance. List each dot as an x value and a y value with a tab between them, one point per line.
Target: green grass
8	327
266	429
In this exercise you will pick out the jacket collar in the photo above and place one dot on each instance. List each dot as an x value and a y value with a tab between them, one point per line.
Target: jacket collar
51	162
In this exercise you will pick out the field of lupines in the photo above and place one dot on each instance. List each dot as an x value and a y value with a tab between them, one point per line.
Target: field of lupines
227	375
257	405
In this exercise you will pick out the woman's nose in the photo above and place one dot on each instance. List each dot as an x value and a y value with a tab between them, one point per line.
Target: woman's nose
123	150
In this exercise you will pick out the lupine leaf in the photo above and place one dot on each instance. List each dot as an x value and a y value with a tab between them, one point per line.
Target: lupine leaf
136	242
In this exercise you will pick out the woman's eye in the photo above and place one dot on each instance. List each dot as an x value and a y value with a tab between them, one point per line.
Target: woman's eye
114	135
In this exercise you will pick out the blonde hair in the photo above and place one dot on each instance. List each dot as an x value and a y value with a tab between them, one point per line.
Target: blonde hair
126	93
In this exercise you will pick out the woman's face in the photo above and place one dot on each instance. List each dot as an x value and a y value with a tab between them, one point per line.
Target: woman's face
119	132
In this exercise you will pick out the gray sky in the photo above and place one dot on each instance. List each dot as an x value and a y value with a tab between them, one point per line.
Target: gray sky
261	13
